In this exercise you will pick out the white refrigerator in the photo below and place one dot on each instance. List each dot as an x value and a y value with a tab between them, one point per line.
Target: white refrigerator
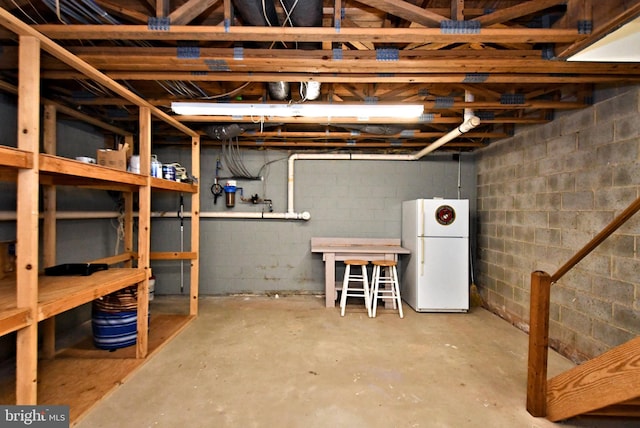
436	276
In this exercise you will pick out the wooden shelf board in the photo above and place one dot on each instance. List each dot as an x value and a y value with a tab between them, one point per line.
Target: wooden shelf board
173	255
58	294
82	182
13	319
175	186
82	375
72	172
17	158
61	293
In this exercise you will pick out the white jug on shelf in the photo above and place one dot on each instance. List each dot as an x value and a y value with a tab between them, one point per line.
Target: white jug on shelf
134	164
156	167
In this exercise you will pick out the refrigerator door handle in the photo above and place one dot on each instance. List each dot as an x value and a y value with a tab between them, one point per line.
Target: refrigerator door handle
421	225
422	243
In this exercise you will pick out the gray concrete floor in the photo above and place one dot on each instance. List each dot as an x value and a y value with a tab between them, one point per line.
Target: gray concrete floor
250	361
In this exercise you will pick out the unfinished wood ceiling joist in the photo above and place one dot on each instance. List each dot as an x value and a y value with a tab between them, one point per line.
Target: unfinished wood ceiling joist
502	60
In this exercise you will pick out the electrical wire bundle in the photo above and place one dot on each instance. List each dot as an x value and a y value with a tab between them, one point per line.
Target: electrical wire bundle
233	160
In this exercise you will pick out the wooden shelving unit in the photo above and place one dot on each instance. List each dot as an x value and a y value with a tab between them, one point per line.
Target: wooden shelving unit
30	301
12	317
58	171
15	158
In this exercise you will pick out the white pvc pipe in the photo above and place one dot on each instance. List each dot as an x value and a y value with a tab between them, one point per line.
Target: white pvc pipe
241	214
97	215
364	156
468	98
257	215
464	127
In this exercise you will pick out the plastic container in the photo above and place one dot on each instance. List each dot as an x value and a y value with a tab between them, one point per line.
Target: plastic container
134	164
230	193
114	330
152	287
156	167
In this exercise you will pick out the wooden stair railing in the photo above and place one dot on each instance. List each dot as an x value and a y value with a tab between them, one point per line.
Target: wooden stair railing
544	398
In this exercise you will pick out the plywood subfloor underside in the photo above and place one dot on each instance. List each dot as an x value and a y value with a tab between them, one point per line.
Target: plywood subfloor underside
82	375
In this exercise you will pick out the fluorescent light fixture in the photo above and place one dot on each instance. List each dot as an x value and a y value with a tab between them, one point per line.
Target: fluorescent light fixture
404	111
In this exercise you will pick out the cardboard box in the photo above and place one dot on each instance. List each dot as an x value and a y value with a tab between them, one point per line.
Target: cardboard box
113	158
7	259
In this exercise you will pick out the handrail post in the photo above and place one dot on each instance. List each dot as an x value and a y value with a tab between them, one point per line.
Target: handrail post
538	343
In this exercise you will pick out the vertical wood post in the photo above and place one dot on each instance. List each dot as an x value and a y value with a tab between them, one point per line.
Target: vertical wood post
538	343
128	213
457	10
227	12
195	228
144	232
49	145
27	214
162	8
128	226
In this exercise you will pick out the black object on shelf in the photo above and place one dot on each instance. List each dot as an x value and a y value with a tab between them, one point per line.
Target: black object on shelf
83	269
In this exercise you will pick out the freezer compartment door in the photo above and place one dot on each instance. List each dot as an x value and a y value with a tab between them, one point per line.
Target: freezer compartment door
443	217
443	275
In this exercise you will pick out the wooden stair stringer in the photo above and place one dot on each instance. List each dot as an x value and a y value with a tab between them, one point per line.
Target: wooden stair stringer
605	381
627	409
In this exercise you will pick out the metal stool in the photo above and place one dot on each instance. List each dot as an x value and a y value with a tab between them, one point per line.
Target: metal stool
391	291
355	292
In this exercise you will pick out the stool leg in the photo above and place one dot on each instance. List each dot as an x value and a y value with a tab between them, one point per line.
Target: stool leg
345	289
374	289
365	286
396	285
392	290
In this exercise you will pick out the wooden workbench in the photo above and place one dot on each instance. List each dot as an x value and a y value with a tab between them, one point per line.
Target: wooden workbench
339	249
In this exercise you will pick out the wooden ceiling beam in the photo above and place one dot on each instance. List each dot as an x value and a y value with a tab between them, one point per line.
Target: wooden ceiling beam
407	135
356	92
306	34
162	8
15	25
406	10
476	90
391	146
188	11
457	10
434	78
456	105
576	10
119	10
400	90
318	54
292	65
517	11
212	60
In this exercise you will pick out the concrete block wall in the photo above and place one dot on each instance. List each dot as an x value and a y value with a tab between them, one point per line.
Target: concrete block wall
542	195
